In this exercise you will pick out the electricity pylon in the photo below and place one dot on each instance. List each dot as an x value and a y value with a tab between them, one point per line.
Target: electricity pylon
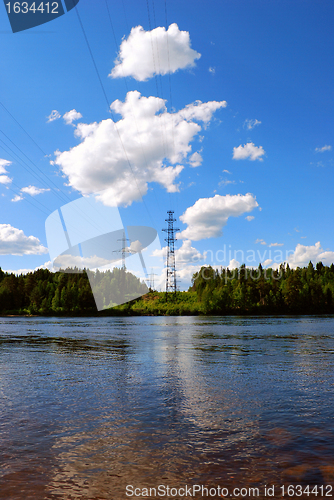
170	263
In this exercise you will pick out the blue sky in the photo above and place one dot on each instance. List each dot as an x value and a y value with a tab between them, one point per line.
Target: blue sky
263	129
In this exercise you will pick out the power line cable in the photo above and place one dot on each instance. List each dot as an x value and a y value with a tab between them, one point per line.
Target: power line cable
157	44
24	164
67	198
127	91
170	90
24	130
112	117
156	75
30	170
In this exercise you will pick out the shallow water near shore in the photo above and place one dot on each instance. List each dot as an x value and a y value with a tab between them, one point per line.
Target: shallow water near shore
91	405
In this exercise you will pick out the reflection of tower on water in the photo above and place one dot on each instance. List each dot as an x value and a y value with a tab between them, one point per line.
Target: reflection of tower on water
171	285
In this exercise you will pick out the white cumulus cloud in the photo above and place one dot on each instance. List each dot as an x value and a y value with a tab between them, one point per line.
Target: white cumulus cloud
249	217
33	190
4	179
71	116
183	255
16	198
199	110
304	254
158	52
3	165
185	274
248	151
46	265
207	217
233	264
70	261
152	146
13	241
195	160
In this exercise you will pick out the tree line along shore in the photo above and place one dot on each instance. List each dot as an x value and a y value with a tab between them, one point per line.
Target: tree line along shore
243	291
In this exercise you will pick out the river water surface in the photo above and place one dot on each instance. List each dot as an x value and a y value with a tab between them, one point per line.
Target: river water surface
91	405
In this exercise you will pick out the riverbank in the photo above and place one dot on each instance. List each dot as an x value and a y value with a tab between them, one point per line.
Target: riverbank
242	291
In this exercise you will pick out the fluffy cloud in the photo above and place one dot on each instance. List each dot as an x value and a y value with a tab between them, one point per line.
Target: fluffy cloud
304	254
70	261
249	151
54	115
3	165
249	217
207	217
4	179
323	149
14	242
195	160
249	124
187	253
260	241
201	111
183	255
185	274
33	190
71	116
18	272
146	136
233	264
276	244
146	53
46	265
16	198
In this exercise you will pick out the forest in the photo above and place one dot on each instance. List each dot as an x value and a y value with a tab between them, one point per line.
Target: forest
243	291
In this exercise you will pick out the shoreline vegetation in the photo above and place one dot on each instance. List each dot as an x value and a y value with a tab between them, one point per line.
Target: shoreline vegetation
243	291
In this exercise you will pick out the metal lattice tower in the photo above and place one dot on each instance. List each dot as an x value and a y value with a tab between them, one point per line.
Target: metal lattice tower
170	264
150	279
124	250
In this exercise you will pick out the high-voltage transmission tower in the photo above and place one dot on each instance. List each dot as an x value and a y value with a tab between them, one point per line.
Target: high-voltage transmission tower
124	250
170	265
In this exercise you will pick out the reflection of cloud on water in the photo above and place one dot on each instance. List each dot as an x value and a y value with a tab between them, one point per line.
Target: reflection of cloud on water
151	401
201	400
169	421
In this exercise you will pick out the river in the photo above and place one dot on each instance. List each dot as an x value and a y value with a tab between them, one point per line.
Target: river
92	406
